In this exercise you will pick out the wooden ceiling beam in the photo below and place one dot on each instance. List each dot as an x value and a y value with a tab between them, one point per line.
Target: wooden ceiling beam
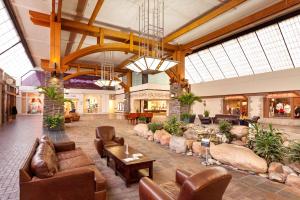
91	30
81	5
125	62
204	19
59	8
91	20
242	23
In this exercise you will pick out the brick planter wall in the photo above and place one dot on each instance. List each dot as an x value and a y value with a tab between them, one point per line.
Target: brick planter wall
52	107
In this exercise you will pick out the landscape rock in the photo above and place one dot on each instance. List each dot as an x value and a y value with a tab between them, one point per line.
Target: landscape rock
293	181
198	149
190	134
295	166
189	143
178	144
238	142
151	138
239	131
275	167
140	129
263	175
158	133
286	144
288	171
165	138
278	177
239	157
244	139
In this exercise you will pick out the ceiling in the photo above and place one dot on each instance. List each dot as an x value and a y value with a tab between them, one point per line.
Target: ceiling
123	15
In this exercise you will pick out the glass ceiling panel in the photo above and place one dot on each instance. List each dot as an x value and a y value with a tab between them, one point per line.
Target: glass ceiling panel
13	58
15	61
254	53
223	61
237	57
194	74
211	64
274	47
291	31
200	67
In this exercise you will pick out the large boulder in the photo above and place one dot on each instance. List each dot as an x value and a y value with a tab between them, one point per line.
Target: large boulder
239	131
162	136
190	134
198	149
178	144
239	157
295	166
293	181
141	129
275	167
158	134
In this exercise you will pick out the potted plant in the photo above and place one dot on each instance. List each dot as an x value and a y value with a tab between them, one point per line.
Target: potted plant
155	126
177	142
173	127
53	120
188	99
206	113
142	120
185	117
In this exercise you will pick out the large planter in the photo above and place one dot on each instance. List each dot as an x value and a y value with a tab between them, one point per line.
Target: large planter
192	118
178	144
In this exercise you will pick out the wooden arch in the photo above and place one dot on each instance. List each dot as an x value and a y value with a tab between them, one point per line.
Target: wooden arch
99	48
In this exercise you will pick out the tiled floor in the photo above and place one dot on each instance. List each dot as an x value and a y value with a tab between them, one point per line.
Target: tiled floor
16	138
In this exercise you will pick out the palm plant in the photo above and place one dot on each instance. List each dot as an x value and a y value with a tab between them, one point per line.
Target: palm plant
268	145
189	99
294	152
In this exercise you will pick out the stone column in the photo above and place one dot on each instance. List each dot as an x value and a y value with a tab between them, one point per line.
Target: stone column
175	108
127	102
53	107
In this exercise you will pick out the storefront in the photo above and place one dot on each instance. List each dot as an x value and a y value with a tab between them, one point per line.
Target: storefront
282	105
155	106
236	105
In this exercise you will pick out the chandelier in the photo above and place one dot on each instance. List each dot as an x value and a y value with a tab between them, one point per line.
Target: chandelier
151	58
107	75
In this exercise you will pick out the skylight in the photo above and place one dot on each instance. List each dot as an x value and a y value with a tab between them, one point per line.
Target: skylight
13	58
272	48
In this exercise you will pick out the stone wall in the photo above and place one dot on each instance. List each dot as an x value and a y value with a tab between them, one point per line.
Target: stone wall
53	107
175	108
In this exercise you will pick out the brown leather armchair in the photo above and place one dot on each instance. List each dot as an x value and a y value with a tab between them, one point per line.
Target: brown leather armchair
106	137
209	184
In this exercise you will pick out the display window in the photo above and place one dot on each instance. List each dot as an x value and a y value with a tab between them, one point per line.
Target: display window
236	105
71	105
282	105
92	104
34	103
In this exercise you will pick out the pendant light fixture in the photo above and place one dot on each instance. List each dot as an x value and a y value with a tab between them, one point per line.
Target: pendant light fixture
107	75
151	57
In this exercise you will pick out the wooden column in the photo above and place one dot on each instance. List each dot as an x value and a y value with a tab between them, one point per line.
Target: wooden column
55	35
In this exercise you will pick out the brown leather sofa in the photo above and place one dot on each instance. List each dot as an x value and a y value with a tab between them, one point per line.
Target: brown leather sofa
209	184
106	137
60	171
233	119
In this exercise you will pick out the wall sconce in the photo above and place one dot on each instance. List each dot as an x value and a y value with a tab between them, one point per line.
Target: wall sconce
53	73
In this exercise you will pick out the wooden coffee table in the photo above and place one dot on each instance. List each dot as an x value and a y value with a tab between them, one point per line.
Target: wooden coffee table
131	171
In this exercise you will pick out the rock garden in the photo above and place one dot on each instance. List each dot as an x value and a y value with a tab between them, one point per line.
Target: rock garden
262	151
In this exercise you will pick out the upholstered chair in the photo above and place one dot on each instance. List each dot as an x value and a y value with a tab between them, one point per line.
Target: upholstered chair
106	137
209	184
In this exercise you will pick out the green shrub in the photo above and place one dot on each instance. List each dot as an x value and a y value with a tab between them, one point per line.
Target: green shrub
142	119
54	121
225	127
294	152
188	99
268	144
206	113
155	126
185	117
173	126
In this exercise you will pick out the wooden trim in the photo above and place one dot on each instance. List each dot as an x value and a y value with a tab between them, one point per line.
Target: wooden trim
59	8
91	20
242	23
204	19
43	19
